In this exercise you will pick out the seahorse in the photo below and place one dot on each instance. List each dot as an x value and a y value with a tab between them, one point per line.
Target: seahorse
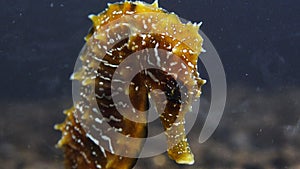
124	29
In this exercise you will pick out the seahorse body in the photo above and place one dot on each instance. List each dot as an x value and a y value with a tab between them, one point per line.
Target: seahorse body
120	31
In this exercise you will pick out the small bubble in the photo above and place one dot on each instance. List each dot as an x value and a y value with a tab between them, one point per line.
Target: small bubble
51	5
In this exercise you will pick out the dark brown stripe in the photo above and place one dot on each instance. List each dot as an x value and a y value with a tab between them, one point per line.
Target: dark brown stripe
132	7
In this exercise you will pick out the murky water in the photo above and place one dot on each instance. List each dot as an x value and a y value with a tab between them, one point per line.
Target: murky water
257	43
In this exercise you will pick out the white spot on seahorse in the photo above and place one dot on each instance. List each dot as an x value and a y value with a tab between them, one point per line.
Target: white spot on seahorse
153	77
156	55
109	143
